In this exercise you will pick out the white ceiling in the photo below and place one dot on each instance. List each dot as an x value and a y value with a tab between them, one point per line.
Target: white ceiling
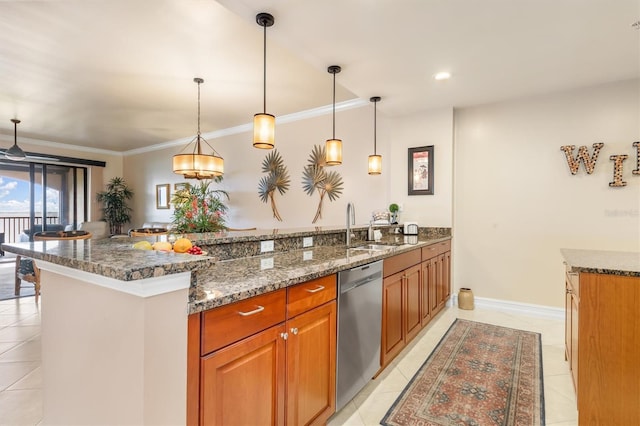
118	74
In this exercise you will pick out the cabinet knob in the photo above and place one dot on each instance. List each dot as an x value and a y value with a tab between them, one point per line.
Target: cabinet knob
284	335
568	291
294	331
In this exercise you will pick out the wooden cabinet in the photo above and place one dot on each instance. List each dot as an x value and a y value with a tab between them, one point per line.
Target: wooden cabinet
401	303
267	360
416	286
602	345
436	286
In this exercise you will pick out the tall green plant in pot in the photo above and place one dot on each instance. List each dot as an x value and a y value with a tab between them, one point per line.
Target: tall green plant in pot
115	210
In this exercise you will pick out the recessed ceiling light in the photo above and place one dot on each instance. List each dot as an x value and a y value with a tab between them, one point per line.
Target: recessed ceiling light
443	75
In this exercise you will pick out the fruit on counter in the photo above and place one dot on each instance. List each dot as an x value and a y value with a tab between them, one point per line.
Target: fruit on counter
143	245
194	250
162	246
182	245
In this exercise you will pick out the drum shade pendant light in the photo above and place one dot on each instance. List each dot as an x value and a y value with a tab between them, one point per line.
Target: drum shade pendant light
15	153
333	146
264	125
375	161
197	165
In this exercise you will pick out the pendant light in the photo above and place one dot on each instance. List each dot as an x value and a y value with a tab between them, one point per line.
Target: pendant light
264	125
197	165
15	153
375	160
333	146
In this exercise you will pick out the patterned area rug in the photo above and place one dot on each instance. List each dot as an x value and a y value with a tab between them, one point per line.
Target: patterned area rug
479	374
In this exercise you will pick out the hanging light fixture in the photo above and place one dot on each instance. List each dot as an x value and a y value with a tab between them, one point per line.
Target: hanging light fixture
264	125
15	153
333	146
375	160
197	165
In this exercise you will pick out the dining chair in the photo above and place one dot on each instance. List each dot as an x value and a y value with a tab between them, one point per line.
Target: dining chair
27	270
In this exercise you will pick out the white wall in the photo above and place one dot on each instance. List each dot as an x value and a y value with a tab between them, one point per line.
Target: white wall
294	141
516	203
432	127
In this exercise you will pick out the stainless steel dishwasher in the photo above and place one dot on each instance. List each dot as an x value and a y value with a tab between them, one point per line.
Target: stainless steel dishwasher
359	329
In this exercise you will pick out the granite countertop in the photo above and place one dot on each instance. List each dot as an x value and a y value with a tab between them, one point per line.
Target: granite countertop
233	280
217	282
113	258
626	263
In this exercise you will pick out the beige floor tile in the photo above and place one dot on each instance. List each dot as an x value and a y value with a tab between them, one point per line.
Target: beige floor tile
12	372
9	318
27	351
33	380
20	407
561	384
553	360
5	346
32	319
347	416
559	407
376	406
18	334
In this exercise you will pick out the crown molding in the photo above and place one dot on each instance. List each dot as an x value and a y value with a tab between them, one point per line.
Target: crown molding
58	145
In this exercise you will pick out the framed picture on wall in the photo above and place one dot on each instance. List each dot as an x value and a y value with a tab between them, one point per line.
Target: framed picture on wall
162	196
421	170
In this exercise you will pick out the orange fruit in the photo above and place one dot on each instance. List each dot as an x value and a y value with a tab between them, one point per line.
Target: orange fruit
182	245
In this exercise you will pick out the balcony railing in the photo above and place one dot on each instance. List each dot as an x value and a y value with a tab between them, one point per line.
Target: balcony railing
12	226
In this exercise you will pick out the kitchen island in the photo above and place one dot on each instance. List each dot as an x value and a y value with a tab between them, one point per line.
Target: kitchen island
602	334
115	319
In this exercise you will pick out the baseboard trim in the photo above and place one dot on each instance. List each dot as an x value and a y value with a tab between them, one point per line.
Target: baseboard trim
516	307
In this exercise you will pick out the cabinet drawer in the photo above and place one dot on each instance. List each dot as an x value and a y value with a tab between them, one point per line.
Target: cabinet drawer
436	249
305	296
400	262
227	324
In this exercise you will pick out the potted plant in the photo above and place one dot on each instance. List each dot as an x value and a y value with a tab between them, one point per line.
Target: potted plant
115	210
394	209
199	208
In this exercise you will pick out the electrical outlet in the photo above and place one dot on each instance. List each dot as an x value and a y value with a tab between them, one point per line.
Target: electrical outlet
266	246
307	255
266	263
307	241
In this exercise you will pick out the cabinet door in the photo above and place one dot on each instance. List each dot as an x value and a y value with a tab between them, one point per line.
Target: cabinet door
412	301
567	322
244	383
311	366
427	277
446	276
393	326
438	303
574	342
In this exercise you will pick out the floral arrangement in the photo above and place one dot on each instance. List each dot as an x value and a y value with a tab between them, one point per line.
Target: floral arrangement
199	208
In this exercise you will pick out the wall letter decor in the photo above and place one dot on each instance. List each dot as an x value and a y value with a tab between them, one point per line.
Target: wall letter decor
583	155
277	179
617	170
315	178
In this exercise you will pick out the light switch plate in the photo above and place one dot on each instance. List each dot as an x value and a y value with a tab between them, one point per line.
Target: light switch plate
266	246
307	241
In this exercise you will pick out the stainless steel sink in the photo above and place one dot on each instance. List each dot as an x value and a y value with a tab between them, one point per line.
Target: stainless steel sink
373	247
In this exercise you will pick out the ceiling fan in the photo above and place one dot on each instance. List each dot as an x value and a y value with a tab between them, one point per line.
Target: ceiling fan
15	153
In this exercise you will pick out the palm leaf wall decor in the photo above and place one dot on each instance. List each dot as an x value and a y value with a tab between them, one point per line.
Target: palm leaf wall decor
315	178
276	180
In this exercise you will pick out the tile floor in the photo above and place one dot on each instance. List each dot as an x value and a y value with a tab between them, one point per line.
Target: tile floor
20	379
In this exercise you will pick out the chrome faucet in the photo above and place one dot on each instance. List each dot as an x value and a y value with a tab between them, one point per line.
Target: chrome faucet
351	220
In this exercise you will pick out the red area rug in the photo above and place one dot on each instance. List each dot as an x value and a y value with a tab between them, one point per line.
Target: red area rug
479	374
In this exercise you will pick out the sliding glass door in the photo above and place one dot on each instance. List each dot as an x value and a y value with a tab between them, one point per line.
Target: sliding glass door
37	197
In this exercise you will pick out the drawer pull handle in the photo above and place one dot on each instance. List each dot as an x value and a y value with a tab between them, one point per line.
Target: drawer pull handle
255	311
315	290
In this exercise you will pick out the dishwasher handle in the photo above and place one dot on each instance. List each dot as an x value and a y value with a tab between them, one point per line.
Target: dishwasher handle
345	288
